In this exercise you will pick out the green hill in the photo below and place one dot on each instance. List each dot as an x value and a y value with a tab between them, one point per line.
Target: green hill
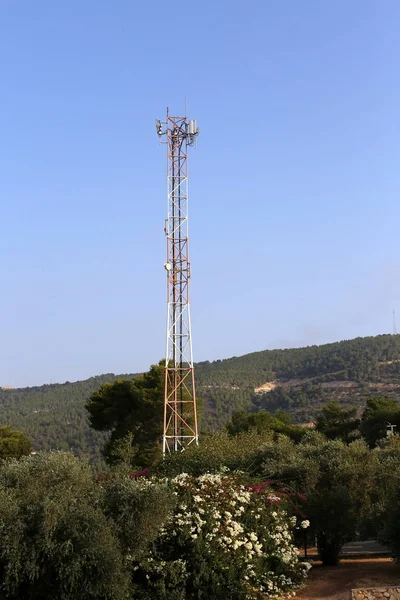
299	380
54	416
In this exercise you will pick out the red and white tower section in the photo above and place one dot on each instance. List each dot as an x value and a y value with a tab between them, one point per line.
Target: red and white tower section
180	415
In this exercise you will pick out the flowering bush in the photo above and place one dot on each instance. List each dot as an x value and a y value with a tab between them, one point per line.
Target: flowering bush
225	539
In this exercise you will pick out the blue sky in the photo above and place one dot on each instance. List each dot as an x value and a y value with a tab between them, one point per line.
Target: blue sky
294	184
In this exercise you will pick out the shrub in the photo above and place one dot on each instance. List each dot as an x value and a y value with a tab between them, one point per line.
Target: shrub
55	540
225	539
138	509
337	479
13	443
217	451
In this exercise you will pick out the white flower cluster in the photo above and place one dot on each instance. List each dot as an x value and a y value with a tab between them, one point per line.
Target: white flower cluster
250	527
305	524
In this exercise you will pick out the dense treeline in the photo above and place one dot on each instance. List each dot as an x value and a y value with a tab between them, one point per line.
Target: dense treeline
306	378
356	359
54	416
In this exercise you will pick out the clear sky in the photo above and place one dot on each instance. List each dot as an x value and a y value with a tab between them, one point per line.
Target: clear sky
295	183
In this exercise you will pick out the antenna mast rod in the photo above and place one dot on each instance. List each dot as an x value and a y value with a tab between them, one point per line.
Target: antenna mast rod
180	415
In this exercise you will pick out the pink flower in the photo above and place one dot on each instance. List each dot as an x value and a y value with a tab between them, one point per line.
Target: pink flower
142	473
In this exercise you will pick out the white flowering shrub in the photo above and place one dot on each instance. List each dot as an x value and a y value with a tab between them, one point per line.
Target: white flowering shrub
225	539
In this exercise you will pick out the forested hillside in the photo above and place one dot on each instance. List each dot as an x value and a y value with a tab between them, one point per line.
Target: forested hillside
54	416
299	380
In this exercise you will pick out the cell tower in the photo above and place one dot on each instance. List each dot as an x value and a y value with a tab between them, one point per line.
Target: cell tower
394	323
180	416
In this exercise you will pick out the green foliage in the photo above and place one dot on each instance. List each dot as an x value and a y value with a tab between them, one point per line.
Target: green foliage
64	535
338	423
348	488
55	540
356	359
222	541
278	422
158	579
132	411
390	534
387	478
305	378
348	372
54	416
377	414
13	443
337	480
386	509
138	509
217	451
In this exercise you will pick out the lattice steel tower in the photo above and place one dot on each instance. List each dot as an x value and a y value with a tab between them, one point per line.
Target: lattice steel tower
180	416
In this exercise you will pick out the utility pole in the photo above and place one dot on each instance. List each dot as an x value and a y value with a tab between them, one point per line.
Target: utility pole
390	429
180	414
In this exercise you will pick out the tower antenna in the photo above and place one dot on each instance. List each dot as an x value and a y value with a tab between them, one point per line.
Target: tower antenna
394	323
180	414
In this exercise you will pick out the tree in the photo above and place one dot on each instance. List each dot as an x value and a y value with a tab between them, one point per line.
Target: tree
342	497
56	541
68	535
376	416
338	423
131	410
386	517
138	509
262	421
336	478
13	443
216	452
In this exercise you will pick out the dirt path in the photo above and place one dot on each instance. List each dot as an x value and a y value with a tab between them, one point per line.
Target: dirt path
334	583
